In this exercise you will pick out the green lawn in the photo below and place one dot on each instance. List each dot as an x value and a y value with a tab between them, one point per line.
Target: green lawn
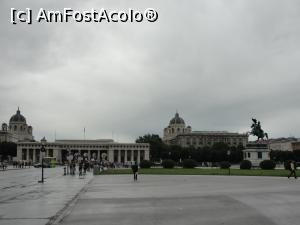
181	171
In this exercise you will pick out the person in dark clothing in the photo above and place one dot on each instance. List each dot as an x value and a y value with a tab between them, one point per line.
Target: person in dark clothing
80	169
135	170
293	169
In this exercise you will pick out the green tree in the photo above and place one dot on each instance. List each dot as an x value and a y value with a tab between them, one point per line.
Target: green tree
8	149
157	147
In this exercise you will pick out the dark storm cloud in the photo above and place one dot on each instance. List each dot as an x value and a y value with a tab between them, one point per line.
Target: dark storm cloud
218	63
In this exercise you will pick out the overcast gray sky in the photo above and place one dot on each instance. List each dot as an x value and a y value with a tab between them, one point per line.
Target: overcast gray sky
218	63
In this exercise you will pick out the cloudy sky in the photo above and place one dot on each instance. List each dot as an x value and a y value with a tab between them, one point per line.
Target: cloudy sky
218	63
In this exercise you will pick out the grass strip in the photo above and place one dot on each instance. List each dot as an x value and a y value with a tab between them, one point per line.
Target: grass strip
199	171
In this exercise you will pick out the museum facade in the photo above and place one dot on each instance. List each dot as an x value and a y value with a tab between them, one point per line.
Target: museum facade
16	130
102	149
177	133
105	149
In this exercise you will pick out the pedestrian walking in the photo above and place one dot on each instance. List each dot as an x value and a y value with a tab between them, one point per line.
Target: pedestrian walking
80	169
293	169
135	170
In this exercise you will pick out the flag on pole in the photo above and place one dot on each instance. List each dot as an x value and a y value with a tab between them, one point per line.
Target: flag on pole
84	133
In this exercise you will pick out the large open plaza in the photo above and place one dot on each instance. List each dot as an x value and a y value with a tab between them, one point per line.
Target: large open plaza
153	199
150	112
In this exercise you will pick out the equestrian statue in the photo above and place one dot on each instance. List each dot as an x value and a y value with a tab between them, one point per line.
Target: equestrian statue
257	131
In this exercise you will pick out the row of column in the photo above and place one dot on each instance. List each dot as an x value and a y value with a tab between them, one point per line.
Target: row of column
34	155
110	154
118	152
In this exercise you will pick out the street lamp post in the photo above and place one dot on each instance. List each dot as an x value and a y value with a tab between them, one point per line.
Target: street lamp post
228	154
43	149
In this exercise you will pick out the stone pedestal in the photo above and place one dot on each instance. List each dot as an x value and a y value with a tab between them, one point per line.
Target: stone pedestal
256	152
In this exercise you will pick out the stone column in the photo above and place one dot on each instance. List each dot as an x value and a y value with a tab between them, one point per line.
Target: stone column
27	154
132	155
33	157
147	157
19	153
139	156
119	156
110	155
89	154
98	155
41	155
57	154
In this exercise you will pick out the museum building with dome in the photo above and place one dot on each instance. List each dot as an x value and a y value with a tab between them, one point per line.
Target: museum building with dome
17	130
177	133
28	149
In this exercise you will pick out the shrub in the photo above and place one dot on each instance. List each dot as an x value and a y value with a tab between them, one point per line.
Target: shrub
225	165
145	164
189	163
168	164
245	165
287	165
267	165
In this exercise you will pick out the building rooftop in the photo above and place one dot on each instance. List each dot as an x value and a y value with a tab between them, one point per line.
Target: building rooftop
85	141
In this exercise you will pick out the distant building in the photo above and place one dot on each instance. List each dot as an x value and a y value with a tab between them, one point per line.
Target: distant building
296	146
17	130
105	149
176	133
283	144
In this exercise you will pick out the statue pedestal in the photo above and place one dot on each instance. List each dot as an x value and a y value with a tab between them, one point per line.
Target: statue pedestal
256	152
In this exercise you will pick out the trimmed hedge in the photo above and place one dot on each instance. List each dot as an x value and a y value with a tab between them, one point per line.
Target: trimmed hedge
225	165
168	164
267	165
145	164
189	163
245	165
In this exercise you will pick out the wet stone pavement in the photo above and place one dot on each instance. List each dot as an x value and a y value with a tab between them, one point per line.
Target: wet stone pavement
25	201
154	199
187	200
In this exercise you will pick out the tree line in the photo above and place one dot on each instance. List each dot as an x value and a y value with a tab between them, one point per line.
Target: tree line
215	153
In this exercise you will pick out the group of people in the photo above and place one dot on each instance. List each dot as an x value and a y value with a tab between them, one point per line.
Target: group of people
3	165
21	164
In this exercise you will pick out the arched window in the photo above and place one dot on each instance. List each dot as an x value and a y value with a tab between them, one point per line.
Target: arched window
15	127
172	130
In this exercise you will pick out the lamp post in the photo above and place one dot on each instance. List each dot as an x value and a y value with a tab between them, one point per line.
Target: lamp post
228	154
43	149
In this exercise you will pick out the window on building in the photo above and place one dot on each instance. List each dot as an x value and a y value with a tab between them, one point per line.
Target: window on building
50	152
188	141
194	141
249	155
259	155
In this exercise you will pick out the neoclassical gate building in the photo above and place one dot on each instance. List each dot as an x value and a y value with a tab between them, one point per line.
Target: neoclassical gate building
114	151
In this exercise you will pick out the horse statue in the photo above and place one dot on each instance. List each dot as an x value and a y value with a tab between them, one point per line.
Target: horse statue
257	131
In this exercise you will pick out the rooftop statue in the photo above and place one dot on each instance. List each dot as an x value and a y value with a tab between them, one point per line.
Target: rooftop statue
257	131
